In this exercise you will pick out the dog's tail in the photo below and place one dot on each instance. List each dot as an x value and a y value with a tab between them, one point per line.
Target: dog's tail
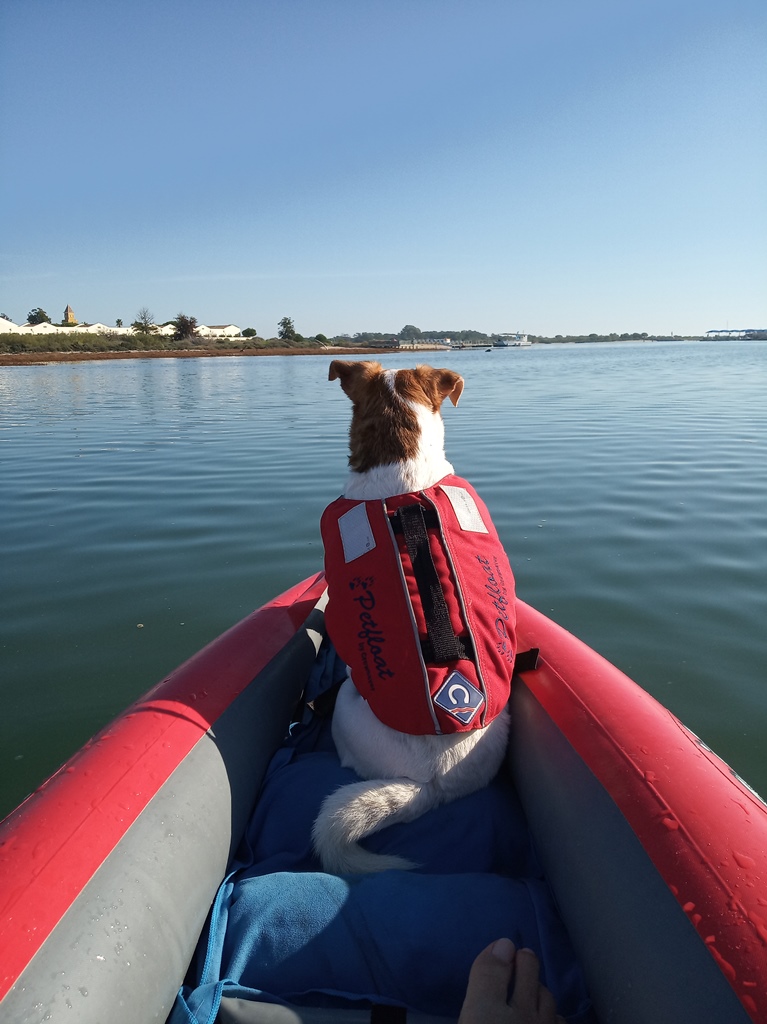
359	810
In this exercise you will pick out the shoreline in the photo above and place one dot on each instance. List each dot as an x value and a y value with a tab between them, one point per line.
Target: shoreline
41	358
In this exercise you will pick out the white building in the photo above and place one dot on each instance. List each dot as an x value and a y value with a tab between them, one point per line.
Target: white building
43	328
166	331
425	343
93	329
219	331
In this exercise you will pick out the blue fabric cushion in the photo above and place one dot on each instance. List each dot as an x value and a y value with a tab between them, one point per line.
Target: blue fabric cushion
396	937
485	831
283	931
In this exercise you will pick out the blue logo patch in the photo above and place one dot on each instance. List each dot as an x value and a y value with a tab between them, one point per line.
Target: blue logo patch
459	698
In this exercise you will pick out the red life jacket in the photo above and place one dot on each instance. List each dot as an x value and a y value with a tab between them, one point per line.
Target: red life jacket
421	606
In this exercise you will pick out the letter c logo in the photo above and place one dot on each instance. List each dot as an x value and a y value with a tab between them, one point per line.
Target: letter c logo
463	690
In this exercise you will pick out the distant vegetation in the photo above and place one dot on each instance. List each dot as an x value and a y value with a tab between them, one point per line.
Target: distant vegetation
38	316
74	342
582	338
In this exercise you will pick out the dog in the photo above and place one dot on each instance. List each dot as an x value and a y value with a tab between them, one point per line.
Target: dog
420	607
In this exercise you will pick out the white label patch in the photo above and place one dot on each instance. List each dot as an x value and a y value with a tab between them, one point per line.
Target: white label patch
356	535
465	508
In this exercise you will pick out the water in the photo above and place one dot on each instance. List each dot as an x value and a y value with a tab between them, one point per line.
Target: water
149	504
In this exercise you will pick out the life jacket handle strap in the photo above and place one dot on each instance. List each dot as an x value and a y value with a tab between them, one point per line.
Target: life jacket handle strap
445	645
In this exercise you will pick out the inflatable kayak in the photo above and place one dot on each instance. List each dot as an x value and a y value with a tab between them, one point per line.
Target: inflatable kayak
119	884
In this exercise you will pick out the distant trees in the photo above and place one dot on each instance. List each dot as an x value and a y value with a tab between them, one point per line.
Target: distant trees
287	329
118	322
186	327
580	339
409	333
144	322
250	332
38	316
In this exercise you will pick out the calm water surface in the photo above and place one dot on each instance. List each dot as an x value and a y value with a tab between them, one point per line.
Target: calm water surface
149	504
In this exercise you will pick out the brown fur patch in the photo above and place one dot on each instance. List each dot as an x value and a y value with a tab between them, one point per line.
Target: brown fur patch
428	386
384	428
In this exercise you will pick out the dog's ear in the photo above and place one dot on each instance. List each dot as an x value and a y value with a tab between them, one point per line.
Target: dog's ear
450	385
340	369
353	374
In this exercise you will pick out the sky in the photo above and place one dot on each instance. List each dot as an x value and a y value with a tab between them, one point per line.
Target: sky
546	166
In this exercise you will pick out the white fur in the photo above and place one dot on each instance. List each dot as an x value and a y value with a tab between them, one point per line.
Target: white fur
408	775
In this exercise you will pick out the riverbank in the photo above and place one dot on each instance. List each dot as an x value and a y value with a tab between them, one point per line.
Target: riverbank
38	358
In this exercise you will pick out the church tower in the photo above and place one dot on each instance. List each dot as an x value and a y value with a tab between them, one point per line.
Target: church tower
69	316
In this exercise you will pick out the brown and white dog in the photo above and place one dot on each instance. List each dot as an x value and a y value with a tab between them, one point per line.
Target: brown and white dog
456	746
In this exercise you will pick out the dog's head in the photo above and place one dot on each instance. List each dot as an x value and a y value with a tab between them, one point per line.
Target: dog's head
390	409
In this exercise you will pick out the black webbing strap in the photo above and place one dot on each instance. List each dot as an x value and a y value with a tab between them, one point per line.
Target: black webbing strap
526	661
430	518
381	1014
443	644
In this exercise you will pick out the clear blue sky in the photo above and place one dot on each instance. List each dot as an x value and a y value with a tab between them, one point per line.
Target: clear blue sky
552	166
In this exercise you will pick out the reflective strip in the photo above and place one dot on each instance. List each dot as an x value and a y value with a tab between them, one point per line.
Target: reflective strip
356	534
465	508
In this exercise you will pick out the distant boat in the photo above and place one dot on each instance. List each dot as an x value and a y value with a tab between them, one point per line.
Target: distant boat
512	341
